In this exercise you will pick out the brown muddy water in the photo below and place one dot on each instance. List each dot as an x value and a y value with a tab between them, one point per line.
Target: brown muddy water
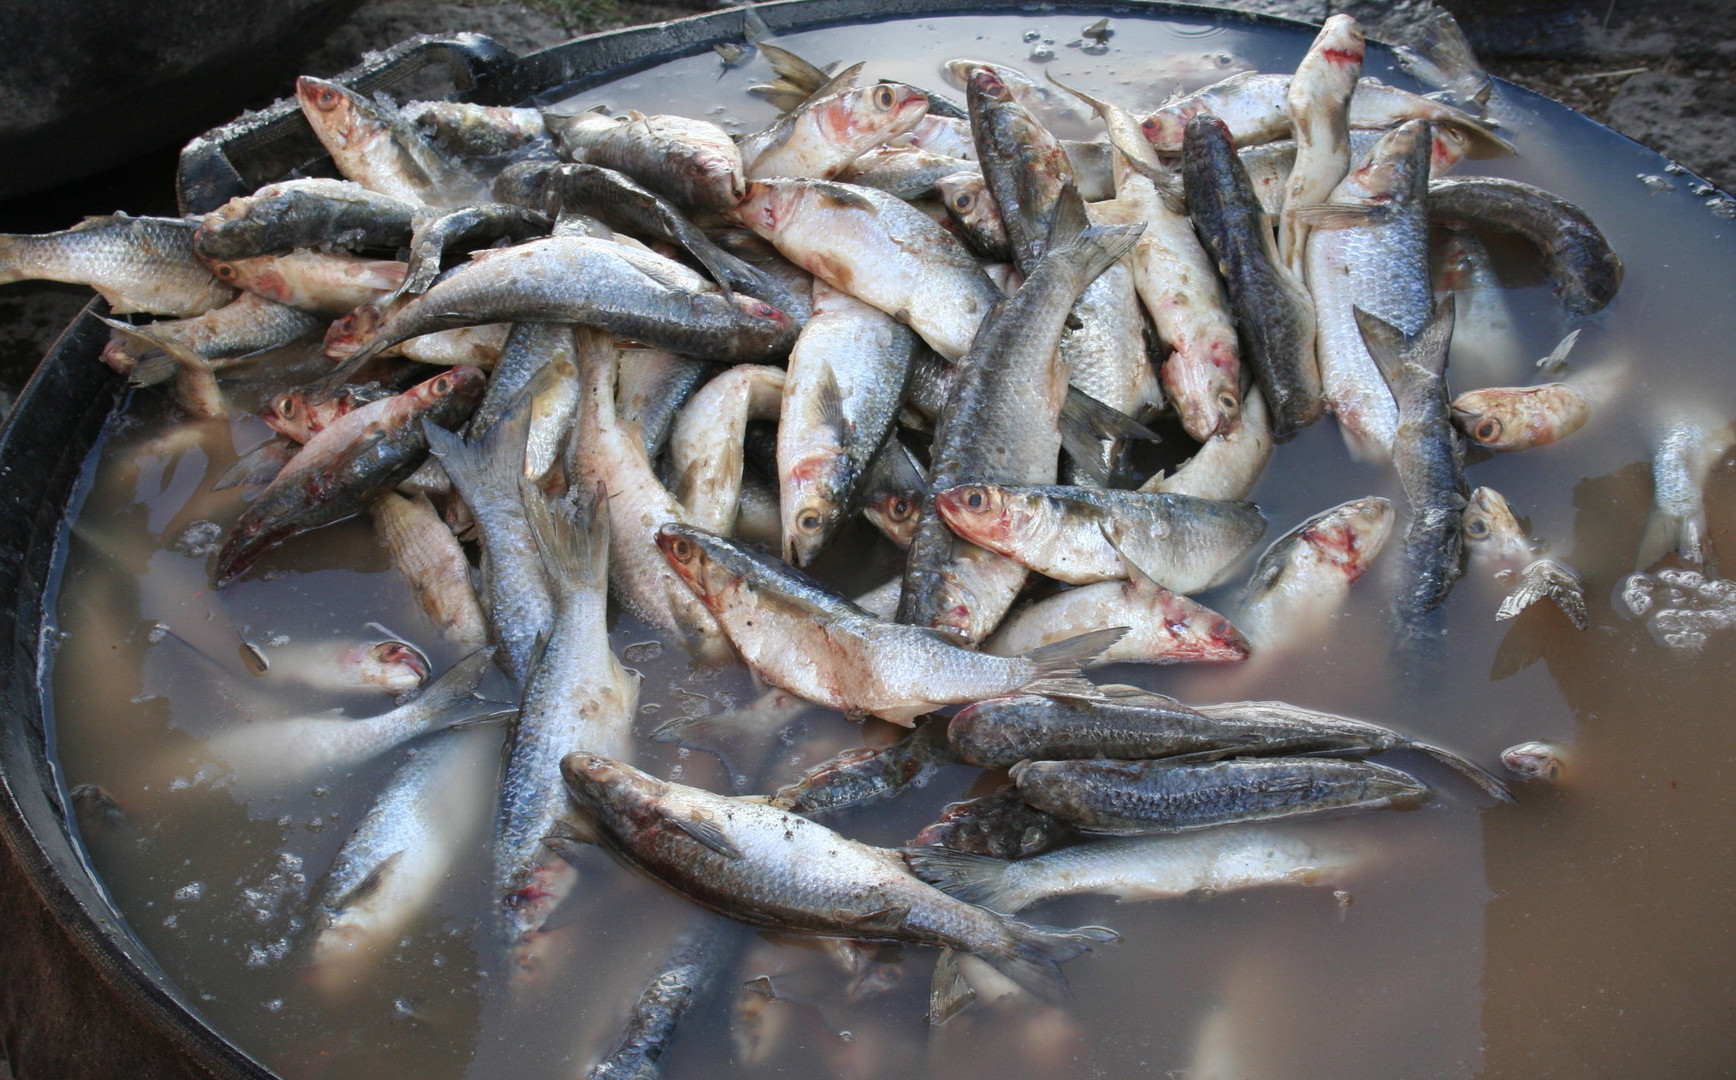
1586	930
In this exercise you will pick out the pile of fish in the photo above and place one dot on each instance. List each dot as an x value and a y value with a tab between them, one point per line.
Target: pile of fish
675	365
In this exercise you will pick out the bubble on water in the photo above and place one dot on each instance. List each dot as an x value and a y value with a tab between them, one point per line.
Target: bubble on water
676	772
274	1005
1723	206
1033	35
1342	897
171	920
1096	48
1675	168
1656	184
193	890
1702	190
404	1007
277	641
256	956
199	539
1687	579
1042	54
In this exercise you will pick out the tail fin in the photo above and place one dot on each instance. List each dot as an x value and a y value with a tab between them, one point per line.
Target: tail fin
495	464
1072	236
1085	421
1032	955
452	696
260	465
196	388
1058	665
975	879
574	552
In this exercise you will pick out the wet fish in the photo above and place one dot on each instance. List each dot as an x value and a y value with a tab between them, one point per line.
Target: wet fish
374	146
528	348
892	493
1551	578
1370	250
1585	270
705	445
1495	543
473	226
1272	309
1080	535
231	334
1318	101
338	666
878	249
999	824
1429	460
325	283
699	958
1688	447
1001	732
847	374
692	163
825	134
554	400
463	129
300	416
428	555
1302	579
1534	760
594	282
389	870
1138	868
972	208
1024	165
1486	347
315	212
780	871
516	593
795	634
134	263
1128	798
1229	464
344	466
577	696
1163	628
1520	417
908	172
864	775
654	384
281	752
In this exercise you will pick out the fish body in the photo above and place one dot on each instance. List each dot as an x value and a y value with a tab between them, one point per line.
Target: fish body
1585	270
1229	464
134	263
705	445
315	212
374	146
1128	798
847	374
779	871
1303	577
345	465
908	172
1026	167
824	135
1486	349
1520	417
1272	309
1377	261
1318	101
864	775
466	130
245	326
1163	627
1688	447
344	665
427	554
999	824
324	283
690	162
472	226
797	635
1080	535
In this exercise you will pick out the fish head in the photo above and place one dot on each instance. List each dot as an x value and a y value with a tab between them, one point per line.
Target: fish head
985	84
1477	417
1351	536
395	666
1204	141
895	514
811	508
461	383
1196	633
984	514
1451	146
289	414
1493	534
1397	168
352	331
1207	390
870	114
768	205
687	551
335	113
759	309
611	792
1534	760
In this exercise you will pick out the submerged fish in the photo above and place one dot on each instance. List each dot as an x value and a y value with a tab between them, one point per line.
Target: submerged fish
1520	417
1302	579
1585	270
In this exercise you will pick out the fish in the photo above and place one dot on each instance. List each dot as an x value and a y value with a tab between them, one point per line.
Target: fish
779	871
1140	868
1494	541
1229	464
1520	417
1486	344
1024	165
373	145
299	415
691	163
396	667
1318	101
971	207
1370	250
821	137
528	348
1002	424
280	752
1535	760
1272	308
1585	270
878	249
892	493
847	375
1081	535
1163	628
428	555
1430	464
476	226
1687	447
593	282
999	824
516	596
862	776
306	213
134	263
554	399
908	172
344	466
324	283
1551	578
238	331
410	840
1129	798
797	635
700	956
705	445
467	130
1302	579
577	696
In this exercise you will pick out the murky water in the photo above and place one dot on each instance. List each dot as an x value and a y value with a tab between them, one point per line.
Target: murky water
1584	931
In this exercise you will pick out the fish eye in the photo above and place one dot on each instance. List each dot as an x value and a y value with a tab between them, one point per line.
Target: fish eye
1487	430
1229	403
883	97
682	549
1476	528
286	406
1149	126
901	509
975	499
810	521
963	201
224	271
443	385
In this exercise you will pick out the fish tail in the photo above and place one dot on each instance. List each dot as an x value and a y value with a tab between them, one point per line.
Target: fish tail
259	466
1488	782
451	699
1031	955
18	258
1094	247
494	463
1058	665
975	879
573	554
1085	422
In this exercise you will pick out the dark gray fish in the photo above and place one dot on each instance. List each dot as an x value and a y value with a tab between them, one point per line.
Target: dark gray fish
1001	732
863	775
1586	271
698	959
1272	309
1024	166
1127	798
475	226
1002	825
318	212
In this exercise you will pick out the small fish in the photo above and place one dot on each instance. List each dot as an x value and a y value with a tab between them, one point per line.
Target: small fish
1586	272
1163	628
1025	166
1485	337
1535	760
134	263
999	824
1318	101
861	776
467	227
428	555
779	871
1520	417
239	330
1687	449
373	145
1302	579
1129	798
689	162
1229	464
335	667
822	136
705	445
1495	543
700	956
315	212
324	283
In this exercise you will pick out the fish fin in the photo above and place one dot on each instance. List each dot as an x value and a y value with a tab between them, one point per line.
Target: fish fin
1488	782
1098	245
491	717
975	879
894	468
1058	664
1340	216
754	29
1031	955
1085	420
844	80
566	839
1386	345
260	465
496	460
830	400
1547	577
370	884
455	691
948	993
788	65
1549	365
196	388
1483	142
705	834
568	546
886	920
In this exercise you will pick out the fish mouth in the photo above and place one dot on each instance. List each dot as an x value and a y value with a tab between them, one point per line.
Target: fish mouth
393	655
